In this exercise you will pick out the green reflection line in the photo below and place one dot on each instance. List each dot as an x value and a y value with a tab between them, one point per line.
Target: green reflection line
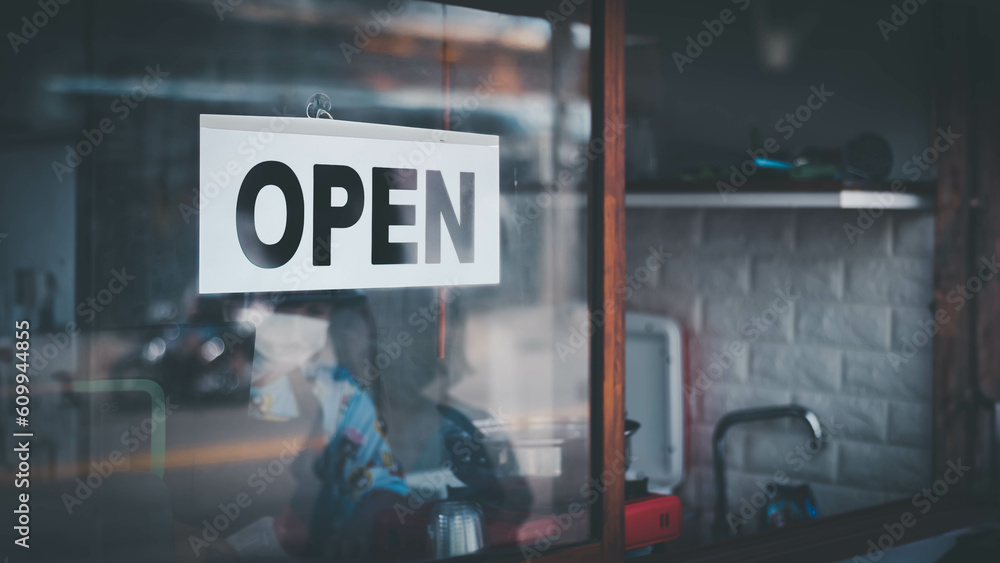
158	435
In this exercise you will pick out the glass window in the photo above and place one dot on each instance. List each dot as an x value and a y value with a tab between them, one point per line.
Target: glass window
368	424
808	390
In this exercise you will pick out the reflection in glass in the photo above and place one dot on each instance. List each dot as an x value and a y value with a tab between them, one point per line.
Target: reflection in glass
171	426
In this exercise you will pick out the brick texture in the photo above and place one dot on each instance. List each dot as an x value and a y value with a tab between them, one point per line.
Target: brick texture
835	348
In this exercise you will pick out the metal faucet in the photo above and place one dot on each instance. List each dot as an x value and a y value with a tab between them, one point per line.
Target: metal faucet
718	447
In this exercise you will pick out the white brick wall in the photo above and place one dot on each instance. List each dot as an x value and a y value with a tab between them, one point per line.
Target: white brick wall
828	351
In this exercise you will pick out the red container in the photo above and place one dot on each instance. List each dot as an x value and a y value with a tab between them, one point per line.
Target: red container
652	519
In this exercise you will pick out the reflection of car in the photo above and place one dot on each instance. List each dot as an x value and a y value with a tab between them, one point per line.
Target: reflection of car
200	363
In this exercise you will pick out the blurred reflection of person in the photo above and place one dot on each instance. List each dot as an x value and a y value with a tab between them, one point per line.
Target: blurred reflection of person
435	431
346	473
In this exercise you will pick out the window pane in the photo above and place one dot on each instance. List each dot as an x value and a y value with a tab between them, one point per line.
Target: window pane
169	425
746	120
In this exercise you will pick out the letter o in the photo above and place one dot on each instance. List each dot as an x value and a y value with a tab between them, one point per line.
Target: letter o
270	173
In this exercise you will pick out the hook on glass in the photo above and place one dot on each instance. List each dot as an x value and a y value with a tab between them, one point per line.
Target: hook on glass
319	106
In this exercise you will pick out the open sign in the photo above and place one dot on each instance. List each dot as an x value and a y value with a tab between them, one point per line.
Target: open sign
325	204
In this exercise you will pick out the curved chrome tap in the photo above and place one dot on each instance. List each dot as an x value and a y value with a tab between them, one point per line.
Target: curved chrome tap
718	447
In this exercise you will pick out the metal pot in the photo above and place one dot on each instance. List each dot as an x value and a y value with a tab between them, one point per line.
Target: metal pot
631	427
456	528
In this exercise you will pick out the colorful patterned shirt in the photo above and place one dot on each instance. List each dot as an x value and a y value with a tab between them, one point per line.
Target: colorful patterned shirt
357	458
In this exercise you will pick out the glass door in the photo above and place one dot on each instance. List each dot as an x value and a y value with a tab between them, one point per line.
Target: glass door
363	424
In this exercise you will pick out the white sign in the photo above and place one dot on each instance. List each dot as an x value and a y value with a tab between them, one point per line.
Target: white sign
313	204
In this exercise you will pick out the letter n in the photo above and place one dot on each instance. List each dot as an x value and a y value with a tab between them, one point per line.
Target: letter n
439	206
